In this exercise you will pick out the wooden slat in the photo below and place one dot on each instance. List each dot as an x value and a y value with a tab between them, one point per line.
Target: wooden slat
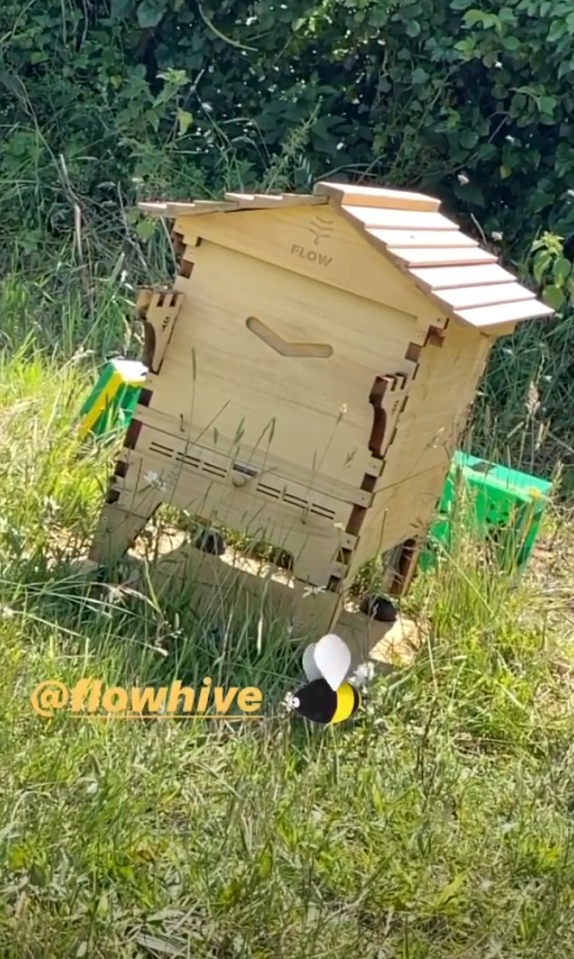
381	198
261	201
248	199
232	201
167	428
490	316
397	219
443	256
418	239
174	210
153	209
208	205
199	207
470	297
451	277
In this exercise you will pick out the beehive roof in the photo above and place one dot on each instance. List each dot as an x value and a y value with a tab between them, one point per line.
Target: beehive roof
411	232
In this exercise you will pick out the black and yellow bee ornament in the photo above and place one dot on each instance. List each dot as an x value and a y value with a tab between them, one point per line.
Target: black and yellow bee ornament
328	697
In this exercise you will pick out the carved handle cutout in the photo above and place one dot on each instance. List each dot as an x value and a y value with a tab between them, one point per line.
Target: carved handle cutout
281	346
388	397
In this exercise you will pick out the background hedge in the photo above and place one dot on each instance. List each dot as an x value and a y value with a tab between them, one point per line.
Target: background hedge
102	103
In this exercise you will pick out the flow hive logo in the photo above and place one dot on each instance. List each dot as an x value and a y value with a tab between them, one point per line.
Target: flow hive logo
321	228
89	698
328	697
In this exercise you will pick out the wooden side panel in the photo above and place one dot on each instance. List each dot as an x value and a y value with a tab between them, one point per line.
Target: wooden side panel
173	437
314	541
437	408
399	513
311	242
417	462
158	310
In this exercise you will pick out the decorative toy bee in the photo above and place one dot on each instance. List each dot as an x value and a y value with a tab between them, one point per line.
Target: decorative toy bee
328	697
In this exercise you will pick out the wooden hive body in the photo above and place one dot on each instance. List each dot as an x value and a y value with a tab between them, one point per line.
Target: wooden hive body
310	374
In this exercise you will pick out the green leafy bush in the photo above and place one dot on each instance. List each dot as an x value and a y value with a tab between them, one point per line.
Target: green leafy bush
105	102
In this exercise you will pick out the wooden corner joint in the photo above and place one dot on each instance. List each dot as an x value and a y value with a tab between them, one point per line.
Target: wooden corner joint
158	311
178	243
435	336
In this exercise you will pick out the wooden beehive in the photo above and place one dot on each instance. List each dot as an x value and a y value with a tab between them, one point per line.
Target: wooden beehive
310	373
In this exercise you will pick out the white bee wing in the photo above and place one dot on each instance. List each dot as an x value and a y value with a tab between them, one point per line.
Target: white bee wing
333	659
310	667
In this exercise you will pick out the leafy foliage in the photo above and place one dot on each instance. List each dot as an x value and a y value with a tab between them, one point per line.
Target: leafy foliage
412	91
105	101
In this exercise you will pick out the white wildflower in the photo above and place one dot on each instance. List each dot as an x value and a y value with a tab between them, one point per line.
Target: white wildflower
290	703
154	479
309	590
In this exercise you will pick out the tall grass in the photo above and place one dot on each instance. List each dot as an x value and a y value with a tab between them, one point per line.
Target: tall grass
437	824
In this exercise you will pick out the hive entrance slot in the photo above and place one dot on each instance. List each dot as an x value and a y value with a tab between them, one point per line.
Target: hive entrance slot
283	347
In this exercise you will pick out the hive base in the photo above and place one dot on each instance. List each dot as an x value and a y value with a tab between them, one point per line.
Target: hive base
228	587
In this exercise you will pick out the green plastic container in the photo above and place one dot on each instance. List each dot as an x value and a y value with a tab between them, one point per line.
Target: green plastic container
111	404
494	504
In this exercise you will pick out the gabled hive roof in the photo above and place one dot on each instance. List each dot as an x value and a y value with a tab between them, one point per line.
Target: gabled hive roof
409	230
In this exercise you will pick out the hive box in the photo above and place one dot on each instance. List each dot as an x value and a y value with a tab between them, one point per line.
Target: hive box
310	372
